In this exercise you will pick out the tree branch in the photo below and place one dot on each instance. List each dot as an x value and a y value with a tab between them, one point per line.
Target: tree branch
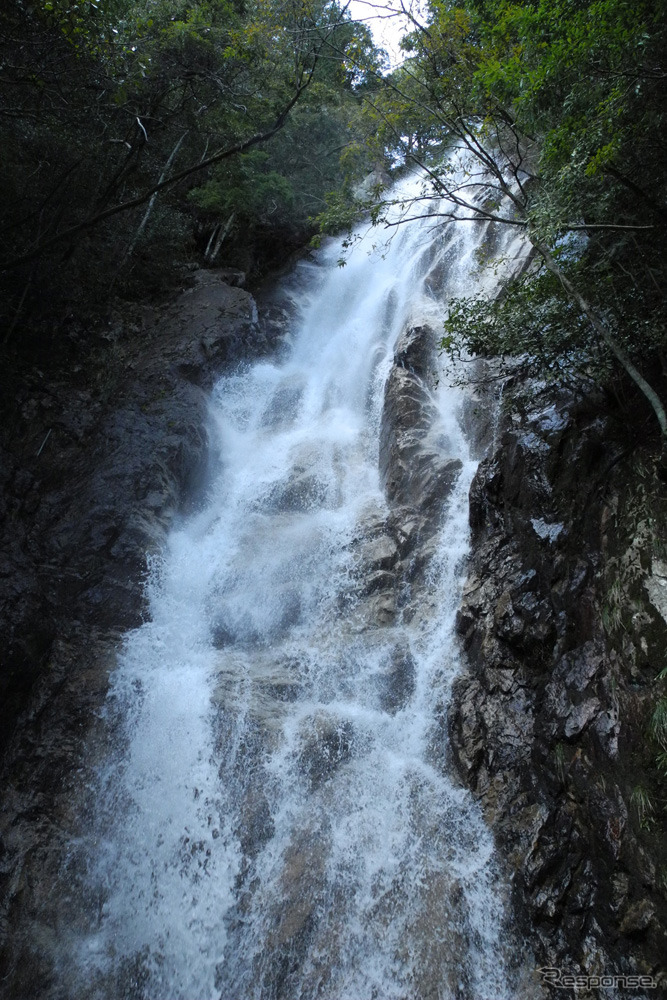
607	337
217	157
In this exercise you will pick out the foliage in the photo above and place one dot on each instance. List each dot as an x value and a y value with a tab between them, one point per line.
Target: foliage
643	804
108	103
560	106
533	323
245	187
658	724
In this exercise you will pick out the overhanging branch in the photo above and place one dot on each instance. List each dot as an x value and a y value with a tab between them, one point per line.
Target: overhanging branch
217	157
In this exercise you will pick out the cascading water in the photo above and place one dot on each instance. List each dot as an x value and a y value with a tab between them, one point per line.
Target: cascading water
277	819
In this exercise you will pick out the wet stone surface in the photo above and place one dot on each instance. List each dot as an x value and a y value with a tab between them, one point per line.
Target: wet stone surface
95	462
545	721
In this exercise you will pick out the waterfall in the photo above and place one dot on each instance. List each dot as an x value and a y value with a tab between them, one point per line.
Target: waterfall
277	819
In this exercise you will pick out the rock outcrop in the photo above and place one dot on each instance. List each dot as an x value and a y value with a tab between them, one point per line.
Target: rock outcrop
562	625
418	474
415	473
96	463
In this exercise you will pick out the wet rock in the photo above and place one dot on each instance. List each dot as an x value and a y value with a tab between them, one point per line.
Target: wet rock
381	609
414	473
302	876
407	526
414	350
582	892
97	457
609	819
303	492
466	734
256	825
326	744
291	917
656	587
545	724
306	487
439	951
638	918
381	579
579	717
396	681
620	887
380	553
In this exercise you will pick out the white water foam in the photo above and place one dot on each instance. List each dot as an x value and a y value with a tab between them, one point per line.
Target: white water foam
268	828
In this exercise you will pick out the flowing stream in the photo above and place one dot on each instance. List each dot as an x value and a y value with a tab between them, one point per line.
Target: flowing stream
277	820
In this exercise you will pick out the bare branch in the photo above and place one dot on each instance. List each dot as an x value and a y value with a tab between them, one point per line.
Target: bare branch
217	157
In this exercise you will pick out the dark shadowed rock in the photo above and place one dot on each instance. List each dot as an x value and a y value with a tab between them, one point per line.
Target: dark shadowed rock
96	465
414	473
544	723
396	681
97	458
326	744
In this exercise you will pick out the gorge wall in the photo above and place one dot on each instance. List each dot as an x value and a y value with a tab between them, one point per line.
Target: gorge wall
563	622
97	461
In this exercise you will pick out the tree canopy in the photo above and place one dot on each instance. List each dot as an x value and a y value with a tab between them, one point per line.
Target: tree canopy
560	106
140	132
137	134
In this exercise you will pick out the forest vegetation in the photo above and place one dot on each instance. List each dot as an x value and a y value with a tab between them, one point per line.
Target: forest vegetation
559	109
139	135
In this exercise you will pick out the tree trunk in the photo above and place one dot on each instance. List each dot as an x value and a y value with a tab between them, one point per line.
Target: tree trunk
607	337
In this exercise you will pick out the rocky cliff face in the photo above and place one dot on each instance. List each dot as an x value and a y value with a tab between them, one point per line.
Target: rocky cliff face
96	463
95	460
564	629
563	623
563	619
